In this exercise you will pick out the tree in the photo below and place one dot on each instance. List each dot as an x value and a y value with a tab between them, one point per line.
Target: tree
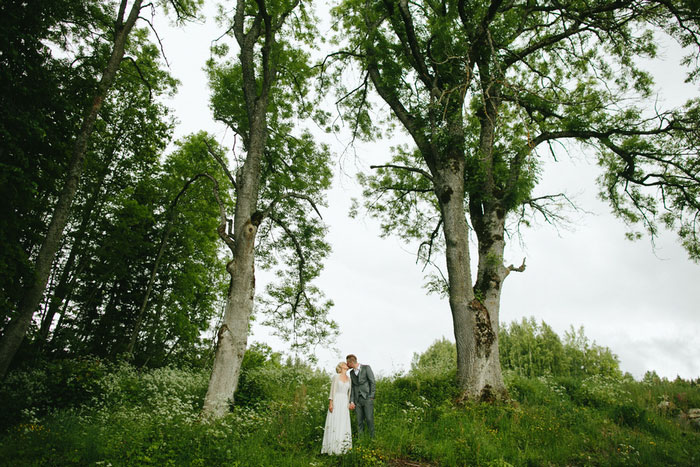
482	87
37	106
132	133
438	359
156	232
280	175
116	22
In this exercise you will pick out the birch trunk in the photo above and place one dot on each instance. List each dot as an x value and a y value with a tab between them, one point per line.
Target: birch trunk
18	326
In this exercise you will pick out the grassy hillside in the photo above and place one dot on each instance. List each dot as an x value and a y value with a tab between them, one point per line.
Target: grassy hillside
90	413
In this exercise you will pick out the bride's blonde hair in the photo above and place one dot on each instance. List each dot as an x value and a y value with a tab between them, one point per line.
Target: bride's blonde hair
339	367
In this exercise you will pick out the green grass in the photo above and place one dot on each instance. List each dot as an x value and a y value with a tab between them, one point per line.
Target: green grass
152	419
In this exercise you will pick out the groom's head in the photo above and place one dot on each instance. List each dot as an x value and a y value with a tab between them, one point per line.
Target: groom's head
351	360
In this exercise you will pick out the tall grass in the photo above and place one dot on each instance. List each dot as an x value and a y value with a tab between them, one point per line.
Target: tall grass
130	418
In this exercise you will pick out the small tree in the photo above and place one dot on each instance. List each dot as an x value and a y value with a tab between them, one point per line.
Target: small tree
438	359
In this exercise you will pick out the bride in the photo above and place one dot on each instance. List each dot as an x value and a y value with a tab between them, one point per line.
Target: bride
337	435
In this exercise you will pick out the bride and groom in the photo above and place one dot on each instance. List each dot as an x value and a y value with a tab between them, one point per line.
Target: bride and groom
348	392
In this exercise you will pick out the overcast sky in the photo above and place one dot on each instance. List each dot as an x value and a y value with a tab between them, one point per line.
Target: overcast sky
641	302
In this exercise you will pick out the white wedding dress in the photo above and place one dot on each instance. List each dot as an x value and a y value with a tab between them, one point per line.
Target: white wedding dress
337	435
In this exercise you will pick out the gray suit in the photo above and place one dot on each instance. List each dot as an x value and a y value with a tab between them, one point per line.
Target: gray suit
362	395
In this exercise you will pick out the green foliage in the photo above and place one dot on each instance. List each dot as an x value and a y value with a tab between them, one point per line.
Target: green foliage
110	239
151	418
531	350
535	350
496	86
438	359
124	219
48	385
40	97
294	169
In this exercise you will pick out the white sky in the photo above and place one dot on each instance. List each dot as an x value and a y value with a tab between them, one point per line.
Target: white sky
640	302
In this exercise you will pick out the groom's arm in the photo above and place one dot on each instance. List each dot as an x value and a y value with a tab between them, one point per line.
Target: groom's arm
353	392
370	380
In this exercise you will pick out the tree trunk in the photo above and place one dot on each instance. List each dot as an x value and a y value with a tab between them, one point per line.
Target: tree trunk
61	290
232	337
487	377
449	187
18	326
149	288
161	249
475	325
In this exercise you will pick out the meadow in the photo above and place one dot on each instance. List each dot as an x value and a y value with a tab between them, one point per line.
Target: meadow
90	412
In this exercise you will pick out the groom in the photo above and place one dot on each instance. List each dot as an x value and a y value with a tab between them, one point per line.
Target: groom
362	394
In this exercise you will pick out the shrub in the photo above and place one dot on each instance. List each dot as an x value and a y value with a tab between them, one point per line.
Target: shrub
50	385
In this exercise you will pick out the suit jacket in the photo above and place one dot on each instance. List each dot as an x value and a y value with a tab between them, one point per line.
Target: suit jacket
363	385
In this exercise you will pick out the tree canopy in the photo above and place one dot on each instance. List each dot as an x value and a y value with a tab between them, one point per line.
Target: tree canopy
485	89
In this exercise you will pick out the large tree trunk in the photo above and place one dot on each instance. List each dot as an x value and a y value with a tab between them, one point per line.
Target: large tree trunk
484	380
232	336
487	375
475	320
18	326
233	333
450	192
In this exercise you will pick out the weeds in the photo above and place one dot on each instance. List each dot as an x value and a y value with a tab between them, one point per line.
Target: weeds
126	417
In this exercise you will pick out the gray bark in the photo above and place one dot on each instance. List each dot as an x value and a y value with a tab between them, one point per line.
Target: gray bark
450	192
18	326
484	380
232	336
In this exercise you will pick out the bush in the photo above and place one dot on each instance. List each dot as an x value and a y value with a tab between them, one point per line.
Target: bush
628	414
50	385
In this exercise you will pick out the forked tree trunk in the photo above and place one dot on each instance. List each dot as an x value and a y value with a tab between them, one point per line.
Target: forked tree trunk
18	326
485	379
232	336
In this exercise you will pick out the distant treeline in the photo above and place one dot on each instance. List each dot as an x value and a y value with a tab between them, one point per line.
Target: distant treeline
530	349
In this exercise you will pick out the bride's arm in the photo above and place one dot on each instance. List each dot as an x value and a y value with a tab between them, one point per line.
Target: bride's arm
334	382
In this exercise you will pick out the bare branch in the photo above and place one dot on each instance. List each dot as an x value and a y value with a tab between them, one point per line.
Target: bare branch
221	230
300	256
160	43
143	78
512	268
221	162
429	243
266	212
402	167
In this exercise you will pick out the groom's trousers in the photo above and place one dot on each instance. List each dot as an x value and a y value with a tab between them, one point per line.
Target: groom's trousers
364	411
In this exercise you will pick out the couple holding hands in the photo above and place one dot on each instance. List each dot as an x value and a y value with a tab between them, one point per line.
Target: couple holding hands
353	391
